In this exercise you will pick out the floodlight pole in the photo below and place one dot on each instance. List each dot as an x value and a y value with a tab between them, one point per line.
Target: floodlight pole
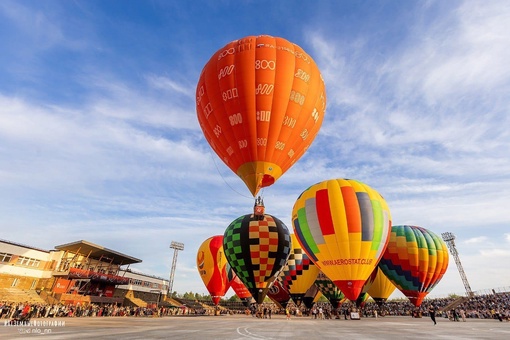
176	246
449	238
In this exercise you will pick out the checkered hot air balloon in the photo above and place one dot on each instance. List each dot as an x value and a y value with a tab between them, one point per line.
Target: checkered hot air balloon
343	225
415	261
257	249
238	287
299	273
329	290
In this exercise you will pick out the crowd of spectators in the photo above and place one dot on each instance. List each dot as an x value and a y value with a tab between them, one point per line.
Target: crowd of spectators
492	306
10	310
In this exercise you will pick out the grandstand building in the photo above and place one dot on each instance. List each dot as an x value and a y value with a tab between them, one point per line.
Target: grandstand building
72	273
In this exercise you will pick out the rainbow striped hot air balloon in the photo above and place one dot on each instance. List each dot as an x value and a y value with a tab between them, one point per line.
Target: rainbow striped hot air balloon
343	225
415	260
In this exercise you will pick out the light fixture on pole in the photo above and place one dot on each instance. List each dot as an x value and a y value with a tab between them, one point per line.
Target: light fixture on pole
176	246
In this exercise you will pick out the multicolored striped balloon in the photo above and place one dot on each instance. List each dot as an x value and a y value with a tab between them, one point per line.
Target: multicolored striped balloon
299	273
257	249
415	261
343	225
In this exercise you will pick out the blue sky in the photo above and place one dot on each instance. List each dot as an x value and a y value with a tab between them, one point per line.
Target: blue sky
99	138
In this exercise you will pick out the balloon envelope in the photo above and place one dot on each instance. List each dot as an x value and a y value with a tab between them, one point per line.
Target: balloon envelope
240	289
211	264
415	261
381	288
279	294
257	250
343	225
260	102
310	296
299	273
329	290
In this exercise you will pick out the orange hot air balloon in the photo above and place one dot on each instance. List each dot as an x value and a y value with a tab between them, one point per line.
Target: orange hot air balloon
381	288
343	225
212	266
260	103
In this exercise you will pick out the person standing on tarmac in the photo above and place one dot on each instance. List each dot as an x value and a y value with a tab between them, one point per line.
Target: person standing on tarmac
432	313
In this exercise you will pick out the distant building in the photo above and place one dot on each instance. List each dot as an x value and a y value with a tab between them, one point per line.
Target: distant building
77	272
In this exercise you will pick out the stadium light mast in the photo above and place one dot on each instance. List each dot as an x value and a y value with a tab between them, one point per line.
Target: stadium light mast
176	246
449	238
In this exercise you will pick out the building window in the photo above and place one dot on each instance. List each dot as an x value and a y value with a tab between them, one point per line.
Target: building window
28	261
14	282
33	284
4	257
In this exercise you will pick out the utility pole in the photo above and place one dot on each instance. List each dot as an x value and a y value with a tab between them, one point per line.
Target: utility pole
449	238
176	246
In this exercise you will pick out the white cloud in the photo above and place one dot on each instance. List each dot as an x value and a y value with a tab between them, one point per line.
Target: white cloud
474	240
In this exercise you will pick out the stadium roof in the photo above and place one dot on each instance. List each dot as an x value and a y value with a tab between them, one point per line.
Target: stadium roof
98	252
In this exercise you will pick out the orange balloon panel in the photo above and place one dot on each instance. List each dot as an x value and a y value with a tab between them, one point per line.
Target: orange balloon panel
260	103
212	267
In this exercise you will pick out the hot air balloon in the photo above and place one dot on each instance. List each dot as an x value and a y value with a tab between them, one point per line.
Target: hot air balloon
363	296
299	273
329	290
279	295
343	225
311	296
241	291
415	261
260	103
212	266
381	288
257	250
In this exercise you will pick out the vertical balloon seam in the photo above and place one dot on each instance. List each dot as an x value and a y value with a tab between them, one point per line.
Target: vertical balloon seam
289	161
280	96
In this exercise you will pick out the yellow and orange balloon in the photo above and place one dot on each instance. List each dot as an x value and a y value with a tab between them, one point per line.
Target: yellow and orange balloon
212	267
343	225
260	102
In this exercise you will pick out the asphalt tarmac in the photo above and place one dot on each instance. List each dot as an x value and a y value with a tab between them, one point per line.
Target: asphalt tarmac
242	327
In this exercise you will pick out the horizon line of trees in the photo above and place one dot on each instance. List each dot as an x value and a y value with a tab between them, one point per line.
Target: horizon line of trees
234	298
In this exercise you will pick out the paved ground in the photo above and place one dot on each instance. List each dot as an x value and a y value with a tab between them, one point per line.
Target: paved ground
246	327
